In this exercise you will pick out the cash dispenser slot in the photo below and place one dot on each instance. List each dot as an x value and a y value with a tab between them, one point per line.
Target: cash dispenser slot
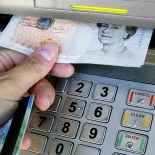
4	20
152	43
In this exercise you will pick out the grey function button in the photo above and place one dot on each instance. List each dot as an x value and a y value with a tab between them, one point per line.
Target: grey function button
86	150
55	105
79	87
73	107
131	142
42	122
104	92
67	127
117	154
60	147
93	133
58	83
99	112
61	85
140	98
38	143
137	119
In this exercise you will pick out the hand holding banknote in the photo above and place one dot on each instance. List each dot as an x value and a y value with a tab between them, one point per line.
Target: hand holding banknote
20	74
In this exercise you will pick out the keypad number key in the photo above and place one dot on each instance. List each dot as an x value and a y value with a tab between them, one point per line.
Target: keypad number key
93	133
79	87
99	112
60	147
42	122
104	92
67	127
73	107
83	150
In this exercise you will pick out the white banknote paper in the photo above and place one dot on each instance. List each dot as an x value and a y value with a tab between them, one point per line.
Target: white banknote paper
80	42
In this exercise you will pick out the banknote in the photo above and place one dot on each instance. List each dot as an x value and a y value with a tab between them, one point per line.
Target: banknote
79	42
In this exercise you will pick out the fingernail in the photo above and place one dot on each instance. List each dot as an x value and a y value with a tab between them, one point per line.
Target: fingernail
48	51
49	100
26	142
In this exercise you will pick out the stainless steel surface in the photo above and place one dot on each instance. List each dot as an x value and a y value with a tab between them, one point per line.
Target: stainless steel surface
140	13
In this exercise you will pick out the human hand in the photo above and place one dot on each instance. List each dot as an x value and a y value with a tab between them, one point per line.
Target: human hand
20	74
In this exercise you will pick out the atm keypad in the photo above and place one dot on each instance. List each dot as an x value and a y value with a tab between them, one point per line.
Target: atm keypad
96	116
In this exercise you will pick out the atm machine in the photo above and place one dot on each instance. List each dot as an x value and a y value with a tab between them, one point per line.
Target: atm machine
100	110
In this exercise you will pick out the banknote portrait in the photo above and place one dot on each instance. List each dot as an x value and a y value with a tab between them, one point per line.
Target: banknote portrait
113	36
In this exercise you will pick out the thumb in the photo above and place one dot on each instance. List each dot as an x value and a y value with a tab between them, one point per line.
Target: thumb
34	68
15	82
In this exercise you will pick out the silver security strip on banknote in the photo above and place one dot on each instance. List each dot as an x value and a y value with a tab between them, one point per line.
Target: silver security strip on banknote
80	42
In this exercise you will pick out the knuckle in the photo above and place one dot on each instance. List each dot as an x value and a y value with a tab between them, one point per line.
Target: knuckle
33	65
8	83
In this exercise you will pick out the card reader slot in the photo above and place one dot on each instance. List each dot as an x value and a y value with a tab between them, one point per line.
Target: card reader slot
4	20
152	43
